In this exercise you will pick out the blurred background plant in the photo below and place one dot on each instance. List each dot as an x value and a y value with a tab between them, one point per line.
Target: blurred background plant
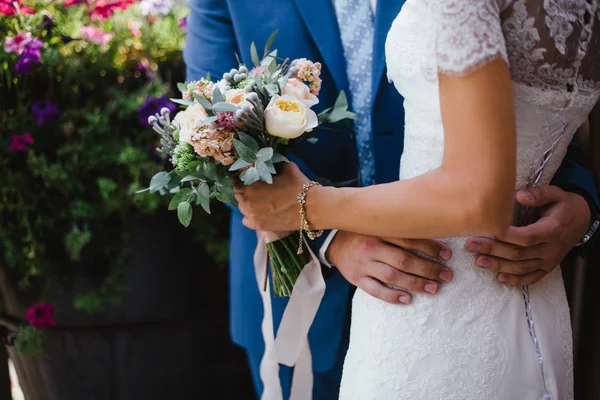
78	79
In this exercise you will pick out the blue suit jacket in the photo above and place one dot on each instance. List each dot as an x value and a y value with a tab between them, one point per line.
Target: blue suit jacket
307	28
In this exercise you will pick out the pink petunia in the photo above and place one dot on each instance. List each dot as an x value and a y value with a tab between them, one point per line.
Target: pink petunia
134	28
95	35
17	44
20	143
41	316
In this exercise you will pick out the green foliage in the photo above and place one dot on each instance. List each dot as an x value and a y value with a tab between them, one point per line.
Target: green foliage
75	187
30	340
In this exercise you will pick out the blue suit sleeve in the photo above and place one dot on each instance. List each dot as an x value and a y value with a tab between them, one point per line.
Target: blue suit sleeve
210	44
574	175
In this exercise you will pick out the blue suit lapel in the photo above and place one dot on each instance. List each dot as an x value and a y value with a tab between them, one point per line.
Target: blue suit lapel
319	18
387	11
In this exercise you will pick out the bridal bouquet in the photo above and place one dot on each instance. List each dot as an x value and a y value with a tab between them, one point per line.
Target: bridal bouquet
241	127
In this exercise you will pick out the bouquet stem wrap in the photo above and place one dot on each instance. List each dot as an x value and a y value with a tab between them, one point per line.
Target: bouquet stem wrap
290	347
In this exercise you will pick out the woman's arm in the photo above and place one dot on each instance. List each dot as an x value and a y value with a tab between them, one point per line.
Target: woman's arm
470	194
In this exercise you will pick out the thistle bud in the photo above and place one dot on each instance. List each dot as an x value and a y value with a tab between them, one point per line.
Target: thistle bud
165	112
239	114
237	78
243	69
227	76
233	71
152	120
248	89
253	97
246	107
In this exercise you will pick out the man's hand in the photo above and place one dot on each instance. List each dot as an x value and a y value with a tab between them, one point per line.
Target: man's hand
525	255
376	265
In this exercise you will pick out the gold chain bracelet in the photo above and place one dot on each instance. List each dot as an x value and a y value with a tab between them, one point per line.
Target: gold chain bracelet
304	225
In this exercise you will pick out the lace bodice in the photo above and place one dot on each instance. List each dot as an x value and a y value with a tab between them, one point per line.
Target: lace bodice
472	341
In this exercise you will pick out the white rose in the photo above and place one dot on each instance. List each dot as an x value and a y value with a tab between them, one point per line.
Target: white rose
287	117
189	121
235	96
299	90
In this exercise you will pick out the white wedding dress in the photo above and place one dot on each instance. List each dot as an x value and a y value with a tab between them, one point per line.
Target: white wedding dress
472	340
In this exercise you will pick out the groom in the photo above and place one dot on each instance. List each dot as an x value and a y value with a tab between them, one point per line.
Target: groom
348	37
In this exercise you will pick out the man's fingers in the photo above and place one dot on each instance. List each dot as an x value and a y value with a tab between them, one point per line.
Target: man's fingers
527	279
542	231
432	248
401	280
539	196
500	249
508	266
409	263
376	289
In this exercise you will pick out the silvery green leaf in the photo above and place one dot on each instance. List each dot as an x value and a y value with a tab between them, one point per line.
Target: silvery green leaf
272	89
341	102
210	170
190	178
245	152
183	102
203	102
338	114
203	189
184	195
239	164
217	96
271	166
265	154
277	158
184	213
224	107
267	60
203	198
227	194
269	43
272	67
208	76
159	181
254	55
249	141
263	171
282	81
182	87
209	120
250	176
312	140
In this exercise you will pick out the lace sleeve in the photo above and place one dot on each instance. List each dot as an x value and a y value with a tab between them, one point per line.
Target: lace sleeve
468	34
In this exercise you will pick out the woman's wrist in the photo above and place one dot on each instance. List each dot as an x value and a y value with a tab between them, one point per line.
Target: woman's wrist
320	206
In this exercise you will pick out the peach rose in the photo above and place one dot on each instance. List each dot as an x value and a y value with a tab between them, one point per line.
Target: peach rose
287	117
189	121
299	90
235	96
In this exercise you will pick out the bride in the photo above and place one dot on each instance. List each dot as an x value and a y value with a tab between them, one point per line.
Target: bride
494	91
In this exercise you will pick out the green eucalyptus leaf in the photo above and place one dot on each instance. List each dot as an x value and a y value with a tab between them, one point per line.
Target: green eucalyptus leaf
264	173
203	101
239	164
224	107
254	55
265	154
217	96
182	87
184	213
190	178
312	140
209	120
249	141
267	60
341	102
272	88
245	152
250	176
277	158
183	102
203	199
184	195
210	170
159	181
269	43
271	166
208	76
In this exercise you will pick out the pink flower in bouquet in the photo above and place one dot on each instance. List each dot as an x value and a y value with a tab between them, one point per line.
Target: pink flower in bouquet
227	120
287	117
214	143
202	87
134	28
20	143
315	86
41	316
18	43
190	121
308	70
299	90
95	35
258	71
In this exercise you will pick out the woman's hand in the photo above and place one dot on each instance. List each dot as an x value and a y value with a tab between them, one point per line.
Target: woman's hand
272	207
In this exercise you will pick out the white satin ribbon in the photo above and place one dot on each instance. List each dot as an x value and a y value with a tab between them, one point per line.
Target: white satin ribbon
291	346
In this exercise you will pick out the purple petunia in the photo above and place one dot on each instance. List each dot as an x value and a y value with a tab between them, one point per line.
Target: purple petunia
152	106
44	111
30	56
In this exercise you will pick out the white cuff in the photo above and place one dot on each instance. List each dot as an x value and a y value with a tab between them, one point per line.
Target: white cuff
325	246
